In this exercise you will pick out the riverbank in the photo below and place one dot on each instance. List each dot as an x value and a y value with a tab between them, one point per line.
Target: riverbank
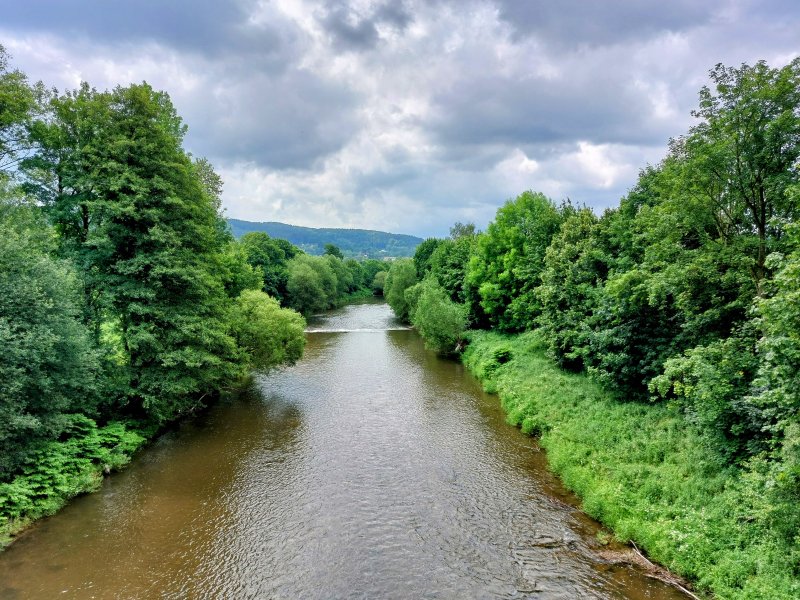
62	470
644	472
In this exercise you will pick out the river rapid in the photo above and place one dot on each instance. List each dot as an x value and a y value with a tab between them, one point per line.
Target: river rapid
371	469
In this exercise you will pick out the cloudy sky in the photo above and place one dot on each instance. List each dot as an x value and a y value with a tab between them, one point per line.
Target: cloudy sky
409	115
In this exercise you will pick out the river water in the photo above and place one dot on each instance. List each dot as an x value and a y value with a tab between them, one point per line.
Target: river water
371	469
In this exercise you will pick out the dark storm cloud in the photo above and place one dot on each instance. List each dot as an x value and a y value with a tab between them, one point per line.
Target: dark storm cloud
600	22
351	30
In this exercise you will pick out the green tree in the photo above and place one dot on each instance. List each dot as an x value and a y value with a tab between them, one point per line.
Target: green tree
575	267
449	263
49	366
333	250
272	257
401	276
269	335
344	277
742	154
153	247
379	282
776	389
17	107
508	260
422	256
312	284
439	320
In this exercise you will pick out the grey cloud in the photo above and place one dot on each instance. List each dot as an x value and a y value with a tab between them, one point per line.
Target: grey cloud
599	22
544	115
351	30
205	27
479	80
284	122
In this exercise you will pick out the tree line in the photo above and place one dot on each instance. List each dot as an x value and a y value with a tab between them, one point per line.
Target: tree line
124	299
686	293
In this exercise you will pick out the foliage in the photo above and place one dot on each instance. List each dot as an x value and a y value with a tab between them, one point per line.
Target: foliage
742	153
59	470
508	260
422	256
48	366
345	282
17	105
439	320
710	383
401	276
236	272
776	388
312	284
333	250
379	281
449	264
269	335
271	257
648	475
122	293
575	267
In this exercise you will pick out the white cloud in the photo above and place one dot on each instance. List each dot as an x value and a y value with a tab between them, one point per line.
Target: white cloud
410	116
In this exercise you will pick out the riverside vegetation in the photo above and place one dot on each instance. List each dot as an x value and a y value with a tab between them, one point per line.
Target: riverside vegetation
655	348
125	302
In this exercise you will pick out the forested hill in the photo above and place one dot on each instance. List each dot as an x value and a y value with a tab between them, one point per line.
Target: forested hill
352	242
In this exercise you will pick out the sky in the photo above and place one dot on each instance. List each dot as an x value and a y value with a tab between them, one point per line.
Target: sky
407	116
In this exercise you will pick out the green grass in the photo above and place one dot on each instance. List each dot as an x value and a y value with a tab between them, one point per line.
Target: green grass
61	470
645	473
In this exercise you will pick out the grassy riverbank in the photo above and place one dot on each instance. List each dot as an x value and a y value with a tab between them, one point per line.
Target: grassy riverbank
645	473
61	470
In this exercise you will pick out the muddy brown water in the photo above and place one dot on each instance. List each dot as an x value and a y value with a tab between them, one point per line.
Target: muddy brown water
371	469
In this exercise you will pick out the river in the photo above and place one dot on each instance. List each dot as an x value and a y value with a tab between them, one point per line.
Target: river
371	469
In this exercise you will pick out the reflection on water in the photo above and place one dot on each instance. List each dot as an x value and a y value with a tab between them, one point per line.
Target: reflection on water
371	469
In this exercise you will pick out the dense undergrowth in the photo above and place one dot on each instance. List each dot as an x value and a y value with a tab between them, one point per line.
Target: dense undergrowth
649	475
62	469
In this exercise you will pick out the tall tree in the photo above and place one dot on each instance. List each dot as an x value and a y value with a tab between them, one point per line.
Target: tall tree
17	103
48	364
742	153
509	259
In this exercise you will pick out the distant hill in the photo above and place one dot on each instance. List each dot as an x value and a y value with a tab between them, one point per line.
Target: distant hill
352	242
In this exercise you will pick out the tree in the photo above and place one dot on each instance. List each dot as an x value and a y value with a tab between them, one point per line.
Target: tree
776	389
269	335
439	320
422	256
333	250
459	230
379	282
401	276
152	247
17	105
575	267
449	264
271	256
312	284
742	154
508	260
49	366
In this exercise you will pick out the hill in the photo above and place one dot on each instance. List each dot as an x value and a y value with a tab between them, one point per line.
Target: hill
352	242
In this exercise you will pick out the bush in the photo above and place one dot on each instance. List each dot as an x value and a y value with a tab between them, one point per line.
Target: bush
439	320
402	275
268	334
